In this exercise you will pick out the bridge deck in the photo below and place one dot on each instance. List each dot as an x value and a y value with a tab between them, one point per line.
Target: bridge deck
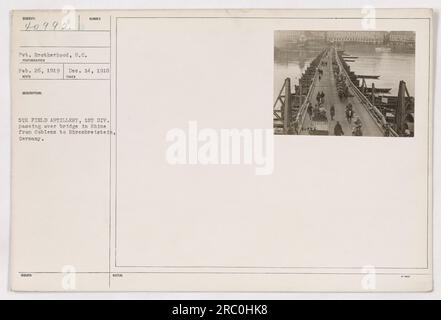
327	84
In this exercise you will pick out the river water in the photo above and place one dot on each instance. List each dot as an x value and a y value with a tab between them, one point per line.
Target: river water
390	66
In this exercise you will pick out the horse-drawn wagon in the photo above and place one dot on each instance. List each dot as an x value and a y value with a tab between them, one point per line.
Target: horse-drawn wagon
319	123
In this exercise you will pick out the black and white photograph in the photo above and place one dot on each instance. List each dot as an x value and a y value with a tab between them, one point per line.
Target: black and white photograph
344	83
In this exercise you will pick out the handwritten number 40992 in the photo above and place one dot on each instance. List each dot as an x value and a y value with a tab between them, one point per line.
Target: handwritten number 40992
48	26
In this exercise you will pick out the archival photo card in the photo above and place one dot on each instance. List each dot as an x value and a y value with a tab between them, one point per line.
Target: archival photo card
196	150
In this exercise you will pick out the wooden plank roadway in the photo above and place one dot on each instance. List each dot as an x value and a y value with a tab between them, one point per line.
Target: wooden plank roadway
327	84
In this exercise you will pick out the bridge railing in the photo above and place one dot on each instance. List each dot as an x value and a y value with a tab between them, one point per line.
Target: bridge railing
300	118
373	111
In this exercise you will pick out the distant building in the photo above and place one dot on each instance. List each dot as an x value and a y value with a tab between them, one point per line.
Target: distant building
296	39
402	36
284	39
315	35
299	39
374	37
403	41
